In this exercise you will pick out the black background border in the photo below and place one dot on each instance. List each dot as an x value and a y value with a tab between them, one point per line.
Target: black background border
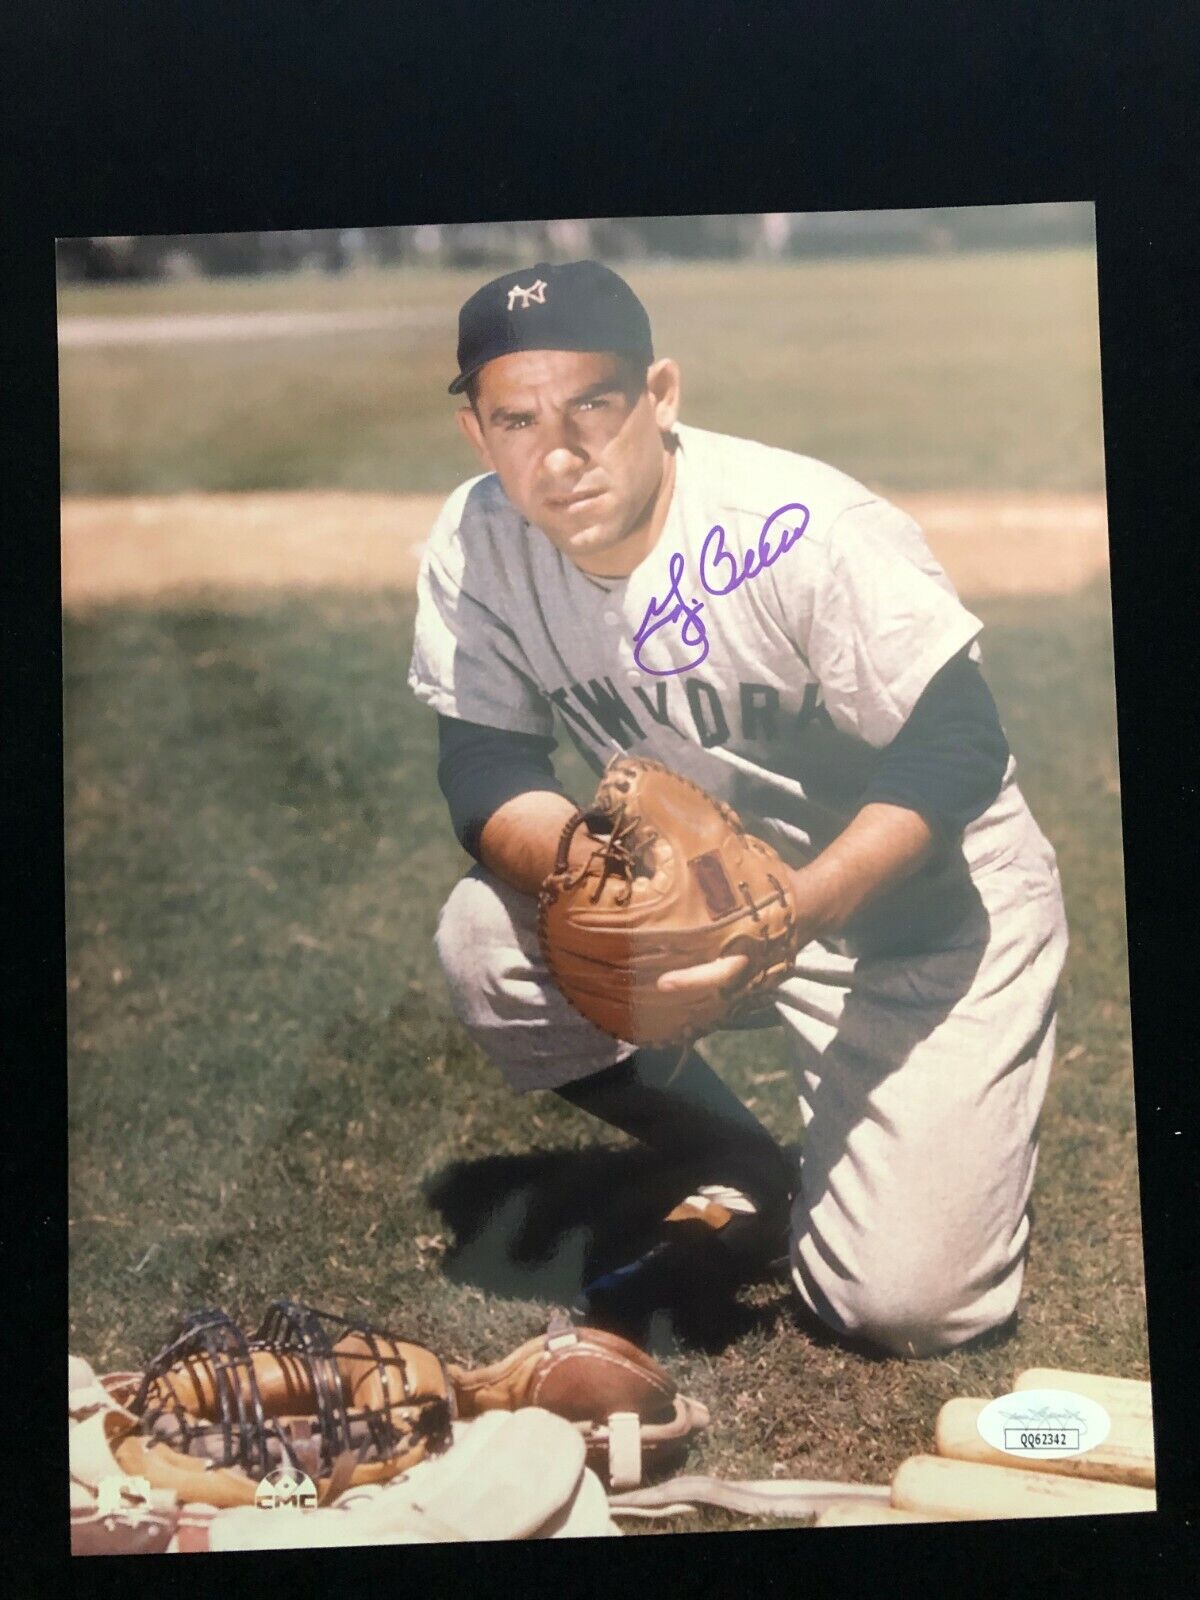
195	117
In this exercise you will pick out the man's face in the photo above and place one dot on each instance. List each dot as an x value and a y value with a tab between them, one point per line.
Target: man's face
576	439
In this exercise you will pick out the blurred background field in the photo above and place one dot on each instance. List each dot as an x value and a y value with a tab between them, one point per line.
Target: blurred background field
977	369
268	1093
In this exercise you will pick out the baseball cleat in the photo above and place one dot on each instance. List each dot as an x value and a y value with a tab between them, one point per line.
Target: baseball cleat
709	1245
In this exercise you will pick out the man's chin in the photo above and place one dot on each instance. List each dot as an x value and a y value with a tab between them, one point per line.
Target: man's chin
595	539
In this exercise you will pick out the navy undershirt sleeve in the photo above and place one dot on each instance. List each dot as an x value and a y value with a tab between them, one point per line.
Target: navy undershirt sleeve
948	761
481	768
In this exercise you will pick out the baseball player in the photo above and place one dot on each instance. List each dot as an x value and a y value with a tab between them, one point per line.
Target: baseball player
761	623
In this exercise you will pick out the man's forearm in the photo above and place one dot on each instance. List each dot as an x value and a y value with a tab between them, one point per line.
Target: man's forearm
880	847
519	841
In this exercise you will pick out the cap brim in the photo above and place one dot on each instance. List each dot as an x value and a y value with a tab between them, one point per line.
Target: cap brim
641	354
461	382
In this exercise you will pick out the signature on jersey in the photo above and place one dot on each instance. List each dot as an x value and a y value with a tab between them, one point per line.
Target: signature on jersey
721	572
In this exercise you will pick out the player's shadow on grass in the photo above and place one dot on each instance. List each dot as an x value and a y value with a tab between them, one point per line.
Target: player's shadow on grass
538	1226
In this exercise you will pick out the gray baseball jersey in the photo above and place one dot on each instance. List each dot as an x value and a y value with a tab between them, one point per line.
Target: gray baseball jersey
776	638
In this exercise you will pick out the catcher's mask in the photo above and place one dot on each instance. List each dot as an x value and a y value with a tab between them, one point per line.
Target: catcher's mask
233	1426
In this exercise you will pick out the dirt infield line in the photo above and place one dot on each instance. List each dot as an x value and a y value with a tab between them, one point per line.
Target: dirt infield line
162	548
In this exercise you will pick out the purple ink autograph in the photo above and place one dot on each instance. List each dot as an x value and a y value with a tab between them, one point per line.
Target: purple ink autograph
720	573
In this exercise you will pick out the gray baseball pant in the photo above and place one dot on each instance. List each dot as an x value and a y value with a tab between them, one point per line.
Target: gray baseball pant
920	1080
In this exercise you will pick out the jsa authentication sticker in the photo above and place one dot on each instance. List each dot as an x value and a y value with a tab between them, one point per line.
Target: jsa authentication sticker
1045	1423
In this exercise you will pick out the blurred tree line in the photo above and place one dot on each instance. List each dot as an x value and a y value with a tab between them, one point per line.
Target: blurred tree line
765	235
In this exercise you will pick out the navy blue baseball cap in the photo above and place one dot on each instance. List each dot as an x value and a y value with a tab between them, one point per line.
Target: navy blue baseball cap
578	305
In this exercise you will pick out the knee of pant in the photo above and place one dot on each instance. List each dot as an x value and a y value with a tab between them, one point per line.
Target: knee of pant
916	1322
900	1330
473	931
917	1314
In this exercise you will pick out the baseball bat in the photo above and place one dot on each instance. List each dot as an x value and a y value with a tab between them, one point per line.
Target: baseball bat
940	1487
1126	1456
1116	1395
859	1514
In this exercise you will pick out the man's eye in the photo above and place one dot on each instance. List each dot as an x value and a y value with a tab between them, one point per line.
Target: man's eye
599	401
516	422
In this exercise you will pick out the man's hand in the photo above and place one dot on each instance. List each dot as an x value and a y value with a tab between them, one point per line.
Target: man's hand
519	840
881	846
725	974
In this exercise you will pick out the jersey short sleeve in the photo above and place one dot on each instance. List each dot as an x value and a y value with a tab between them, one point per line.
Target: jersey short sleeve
467	661
878	621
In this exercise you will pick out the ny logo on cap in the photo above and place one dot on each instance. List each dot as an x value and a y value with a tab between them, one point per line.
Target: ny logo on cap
534	295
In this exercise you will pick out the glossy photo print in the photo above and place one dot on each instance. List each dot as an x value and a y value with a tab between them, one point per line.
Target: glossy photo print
598	999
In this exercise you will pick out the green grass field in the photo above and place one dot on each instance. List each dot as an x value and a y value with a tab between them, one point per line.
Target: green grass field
975	371
269	1095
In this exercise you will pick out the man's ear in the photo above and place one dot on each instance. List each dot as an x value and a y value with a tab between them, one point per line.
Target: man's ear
662	382
470	425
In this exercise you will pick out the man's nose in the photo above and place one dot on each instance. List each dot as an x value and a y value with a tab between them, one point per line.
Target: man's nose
564	449
564	458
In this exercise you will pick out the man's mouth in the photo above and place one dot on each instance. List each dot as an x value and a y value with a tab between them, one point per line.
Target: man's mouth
569	502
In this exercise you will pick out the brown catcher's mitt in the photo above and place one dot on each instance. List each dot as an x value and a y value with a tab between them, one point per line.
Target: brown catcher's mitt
633	1419
673	880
